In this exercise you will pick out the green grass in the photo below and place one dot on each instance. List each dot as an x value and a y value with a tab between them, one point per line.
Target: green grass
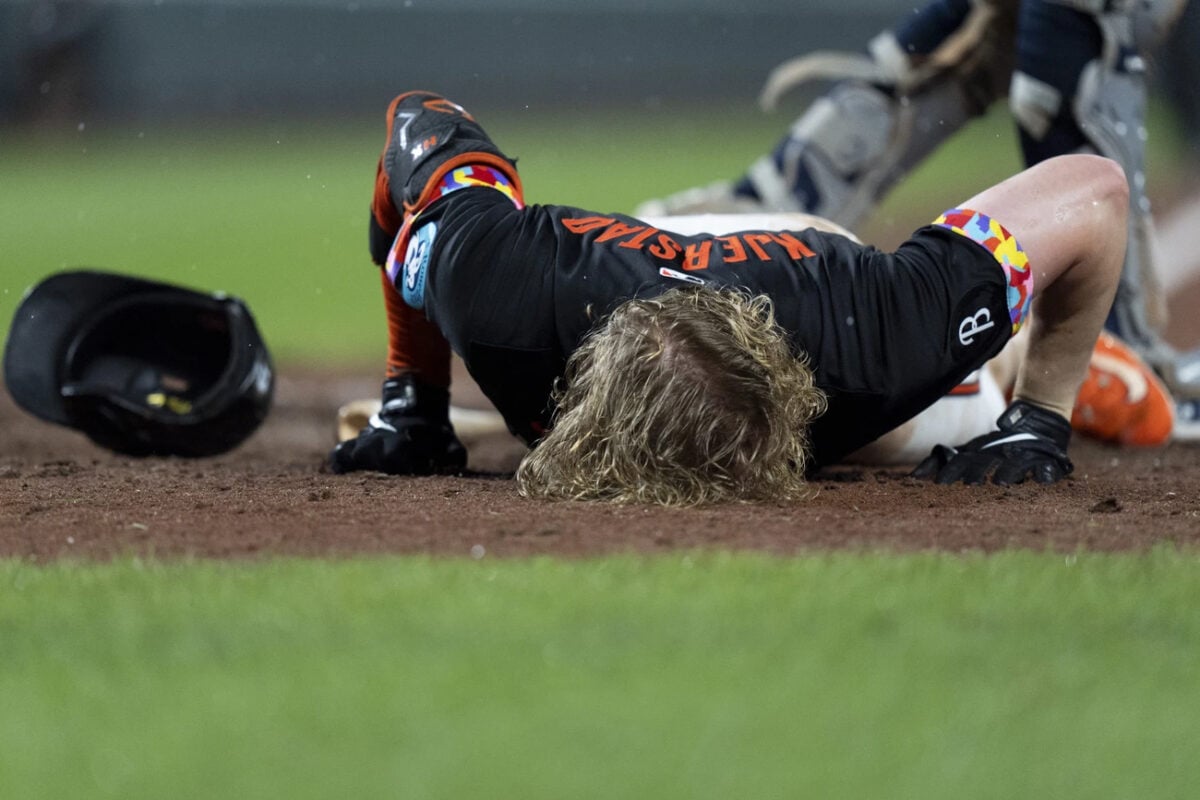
866	676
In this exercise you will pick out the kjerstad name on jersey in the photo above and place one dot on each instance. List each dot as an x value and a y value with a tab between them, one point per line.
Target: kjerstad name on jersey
695	255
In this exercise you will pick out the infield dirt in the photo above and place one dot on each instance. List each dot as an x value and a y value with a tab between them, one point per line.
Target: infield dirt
60	496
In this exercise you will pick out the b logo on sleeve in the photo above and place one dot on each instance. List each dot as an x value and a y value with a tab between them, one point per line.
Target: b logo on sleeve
974	325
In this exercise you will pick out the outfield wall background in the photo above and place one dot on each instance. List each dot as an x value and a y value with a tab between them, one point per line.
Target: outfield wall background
178	59
70	61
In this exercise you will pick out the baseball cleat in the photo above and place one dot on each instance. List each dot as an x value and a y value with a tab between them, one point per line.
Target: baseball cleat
1122	401
1181	374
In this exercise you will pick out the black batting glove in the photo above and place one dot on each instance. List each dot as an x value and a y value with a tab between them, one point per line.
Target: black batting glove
411	434
1031	443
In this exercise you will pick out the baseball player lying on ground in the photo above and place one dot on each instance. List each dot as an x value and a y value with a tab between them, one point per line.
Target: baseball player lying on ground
1121	401
650	366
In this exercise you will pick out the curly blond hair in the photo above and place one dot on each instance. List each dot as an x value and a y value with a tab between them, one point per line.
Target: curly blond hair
691	397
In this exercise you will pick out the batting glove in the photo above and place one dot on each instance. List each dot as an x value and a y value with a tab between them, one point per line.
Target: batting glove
411	434
1031	443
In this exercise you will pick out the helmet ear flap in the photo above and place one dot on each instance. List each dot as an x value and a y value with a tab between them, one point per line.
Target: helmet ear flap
141	368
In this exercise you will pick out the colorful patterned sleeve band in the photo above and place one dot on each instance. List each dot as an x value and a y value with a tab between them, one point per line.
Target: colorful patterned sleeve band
1003	246
411	250
478	175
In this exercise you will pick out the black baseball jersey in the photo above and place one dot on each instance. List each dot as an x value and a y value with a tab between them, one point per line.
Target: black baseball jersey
515	290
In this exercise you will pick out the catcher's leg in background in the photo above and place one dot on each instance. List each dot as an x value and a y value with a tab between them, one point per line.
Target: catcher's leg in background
887	111
1080	86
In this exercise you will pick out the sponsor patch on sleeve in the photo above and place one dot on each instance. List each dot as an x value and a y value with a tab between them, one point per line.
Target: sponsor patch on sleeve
409	276
408	260
993	237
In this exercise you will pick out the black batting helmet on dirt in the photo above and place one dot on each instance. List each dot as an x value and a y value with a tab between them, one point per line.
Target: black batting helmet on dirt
141	367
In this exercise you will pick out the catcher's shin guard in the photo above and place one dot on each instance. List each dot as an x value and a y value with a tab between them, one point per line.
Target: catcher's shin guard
853	145
428	136
1102	109
1081	86
841	156
892	109
887	111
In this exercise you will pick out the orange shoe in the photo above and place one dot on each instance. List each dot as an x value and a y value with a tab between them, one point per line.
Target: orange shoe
1122	400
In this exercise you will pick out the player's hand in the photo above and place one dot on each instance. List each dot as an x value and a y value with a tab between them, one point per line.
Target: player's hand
411	434
1031	443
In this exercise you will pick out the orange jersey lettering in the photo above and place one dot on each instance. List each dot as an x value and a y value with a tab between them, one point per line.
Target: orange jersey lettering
735	251
639	241
695	255
617	229
756	241
666	248
587	224
796	249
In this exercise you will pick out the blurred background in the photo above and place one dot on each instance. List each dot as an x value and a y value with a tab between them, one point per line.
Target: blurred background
236	58
231	144
154	59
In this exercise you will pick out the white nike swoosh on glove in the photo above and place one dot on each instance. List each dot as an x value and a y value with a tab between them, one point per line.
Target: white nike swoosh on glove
378	422
1016	437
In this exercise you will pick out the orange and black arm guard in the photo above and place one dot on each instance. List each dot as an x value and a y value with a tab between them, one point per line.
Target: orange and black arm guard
430	141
